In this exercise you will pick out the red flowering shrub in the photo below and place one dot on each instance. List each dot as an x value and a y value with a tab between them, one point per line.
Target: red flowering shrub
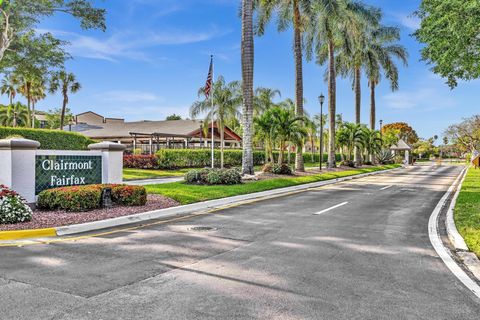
136	161
129	195
85	198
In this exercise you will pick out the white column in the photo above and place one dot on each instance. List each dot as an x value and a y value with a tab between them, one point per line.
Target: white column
17	166
407	157
112	161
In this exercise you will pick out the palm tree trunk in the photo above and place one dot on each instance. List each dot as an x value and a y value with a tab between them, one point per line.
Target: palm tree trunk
62	116
289	153
33	115
372	105
247	85
358	105
29	102
280	156
331	104
299	163
311	145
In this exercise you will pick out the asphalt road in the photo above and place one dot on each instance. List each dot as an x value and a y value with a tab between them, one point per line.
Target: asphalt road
367	258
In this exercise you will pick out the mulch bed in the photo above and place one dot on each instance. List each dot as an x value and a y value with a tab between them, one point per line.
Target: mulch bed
50	219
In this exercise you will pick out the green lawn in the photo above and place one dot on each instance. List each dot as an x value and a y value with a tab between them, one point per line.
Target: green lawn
185	193
137	174
467	210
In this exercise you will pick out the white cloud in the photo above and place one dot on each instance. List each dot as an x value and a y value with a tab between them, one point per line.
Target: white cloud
423	99
128	96
409	21
130	45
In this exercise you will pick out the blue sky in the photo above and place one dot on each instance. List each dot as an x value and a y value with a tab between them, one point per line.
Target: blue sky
155	54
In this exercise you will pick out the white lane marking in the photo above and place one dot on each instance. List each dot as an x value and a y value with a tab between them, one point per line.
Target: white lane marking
387	187
331	208
442	251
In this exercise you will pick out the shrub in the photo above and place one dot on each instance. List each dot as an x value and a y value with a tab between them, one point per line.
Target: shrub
13	208
129	195
276	168
77	198
49	139
385	157
140	161
85	198
348	163
214	176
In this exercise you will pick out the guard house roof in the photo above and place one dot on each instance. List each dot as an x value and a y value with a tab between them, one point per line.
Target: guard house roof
401	146
167	128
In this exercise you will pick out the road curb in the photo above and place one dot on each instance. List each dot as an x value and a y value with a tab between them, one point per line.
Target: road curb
27	234
181	210
440	248
469	259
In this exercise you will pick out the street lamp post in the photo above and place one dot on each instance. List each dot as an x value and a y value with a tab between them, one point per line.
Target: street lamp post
321	99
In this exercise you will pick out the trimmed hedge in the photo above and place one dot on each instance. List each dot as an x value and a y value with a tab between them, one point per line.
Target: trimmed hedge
49	139
214	176
85	198
276	168
198	158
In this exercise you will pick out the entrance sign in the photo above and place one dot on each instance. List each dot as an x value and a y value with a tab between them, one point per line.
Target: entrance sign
55	171
28	170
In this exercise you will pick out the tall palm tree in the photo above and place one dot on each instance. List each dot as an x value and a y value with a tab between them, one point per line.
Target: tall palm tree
294	13
14	115
66	83
333	27
227	99
247	86
9	87
381	53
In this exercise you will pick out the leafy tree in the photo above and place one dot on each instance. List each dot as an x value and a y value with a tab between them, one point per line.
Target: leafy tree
227	99
390	137
405	132
465	135
20	18
247	47
66	83
174	117
54	118
14	115
449	32
295	13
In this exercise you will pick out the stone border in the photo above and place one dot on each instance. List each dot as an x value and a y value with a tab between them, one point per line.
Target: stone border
469	259
182	210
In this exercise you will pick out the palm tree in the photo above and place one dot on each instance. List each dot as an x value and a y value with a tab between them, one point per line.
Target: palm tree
25	83
263	99
37	93
333	27
14	115
264	132
381	52
312	127
66	83
287	127
351	136
9	87
247	86
227	99
372	143
296	13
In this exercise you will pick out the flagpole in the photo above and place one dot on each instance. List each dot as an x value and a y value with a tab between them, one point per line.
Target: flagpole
213	114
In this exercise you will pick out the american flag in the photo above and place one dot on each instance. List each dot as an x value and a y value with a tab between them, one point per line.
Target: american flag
208	85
